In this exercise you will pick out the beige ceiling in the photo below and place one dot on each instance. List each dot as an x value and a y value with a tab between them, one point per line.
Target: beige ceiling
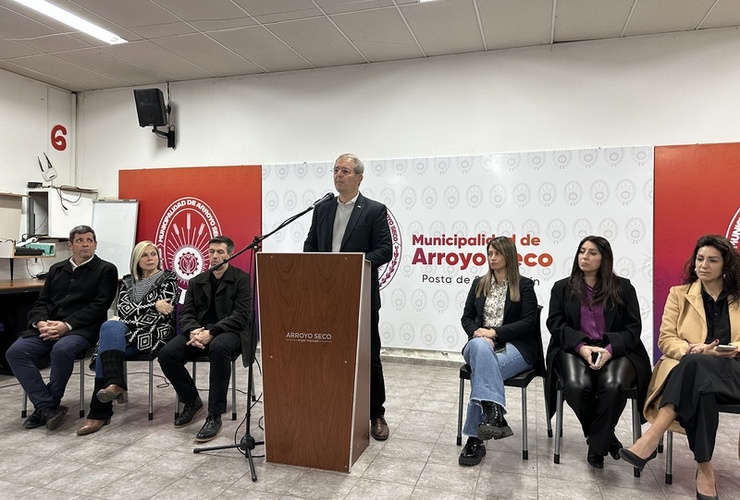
176	40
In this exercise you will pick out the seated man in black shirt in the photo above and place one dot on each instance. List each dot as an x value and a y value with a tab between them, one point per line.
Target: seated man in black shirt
213	320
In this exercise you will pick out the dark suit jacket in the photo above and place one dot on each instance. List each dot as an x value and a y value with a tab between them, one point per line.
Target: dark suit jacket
233	306
80	298
520	319
367	232
623	328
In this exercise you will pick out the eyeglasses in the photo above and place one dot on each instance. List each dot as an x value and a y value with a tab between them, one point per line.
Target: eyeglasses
343	171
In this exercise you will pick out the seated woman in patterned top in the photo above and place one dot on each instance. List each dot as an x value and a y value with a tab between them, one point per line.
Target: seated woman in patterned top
144	323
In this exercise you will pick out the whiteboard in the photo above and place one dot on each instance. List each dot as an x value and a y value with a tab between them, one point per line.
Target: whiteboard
114	222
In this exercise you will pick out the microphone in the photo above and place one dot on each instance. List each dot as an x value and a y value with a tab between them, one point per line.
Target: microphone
323	199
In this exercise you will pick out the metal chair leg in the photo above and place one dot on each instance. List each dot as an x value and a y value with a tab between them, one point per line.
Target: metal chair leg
82	387
669	458
460	411
558	425
525	450
151	389
233	390
636	430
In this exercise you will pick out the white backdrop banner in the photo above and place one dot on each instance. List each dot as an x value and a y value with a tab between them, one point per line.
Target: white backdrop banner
443	210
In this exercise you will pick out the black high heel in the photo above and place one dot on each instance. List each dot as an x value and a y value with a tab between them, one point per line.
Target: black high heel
700	496
634	460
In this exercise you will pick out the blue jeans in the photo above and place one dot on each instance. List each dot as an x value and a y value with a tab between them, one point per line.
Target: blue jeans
22	357
488	370
113	337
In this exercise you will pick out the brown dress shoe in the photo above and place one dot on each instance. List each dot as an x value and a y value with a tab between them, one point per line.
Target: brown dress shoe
112	392
92	425
379	429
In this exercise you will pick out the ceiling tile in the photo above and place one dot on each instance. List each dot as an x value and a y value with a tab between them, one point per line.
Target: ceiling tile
99	61
318	41
41	77
157	60
515	23
445	27
725	13
9	50
56	43
17	26
262	48
129	14
590	19
272	11
198	10
339	6
208	55
663	16
380	35
57	69
206	16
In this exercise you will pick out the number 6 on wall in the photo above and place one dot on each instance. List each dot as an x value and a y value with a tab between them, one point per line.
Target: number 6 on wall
58	139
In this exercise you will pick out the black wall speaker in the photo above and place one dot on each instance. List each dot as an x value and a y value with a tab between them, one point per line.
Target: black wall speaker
150	107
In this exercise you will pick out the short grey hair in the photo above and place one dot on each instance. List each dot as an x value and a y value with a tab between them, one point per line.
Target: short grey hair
359	167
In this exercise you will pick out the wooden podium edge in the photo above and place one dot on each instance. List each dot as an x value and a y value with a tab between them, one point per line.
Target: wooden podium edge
360	439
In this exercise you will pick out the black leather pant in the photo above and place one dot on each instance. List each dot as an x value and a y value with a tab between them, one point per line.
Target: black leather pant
597	397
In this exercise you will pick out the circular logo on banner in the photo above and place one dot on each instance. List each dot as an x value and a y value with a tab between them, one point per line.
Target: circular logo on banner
387	271
182	237
733	230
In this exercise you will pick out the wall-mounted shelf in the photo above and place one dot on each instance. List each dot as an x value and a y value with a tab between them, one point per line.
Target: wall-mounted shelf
7	251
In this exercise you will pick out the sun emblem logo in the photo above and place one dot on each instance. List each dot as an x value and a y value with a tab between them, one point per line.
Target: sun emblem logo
182	237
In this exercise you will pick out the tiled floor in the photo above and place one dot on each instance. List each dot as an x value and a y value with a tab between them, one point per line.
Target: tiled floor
134	458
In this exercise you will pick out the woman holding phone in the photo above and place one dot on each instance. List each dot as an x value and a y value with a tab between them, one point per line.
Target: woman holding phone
700	366
595	347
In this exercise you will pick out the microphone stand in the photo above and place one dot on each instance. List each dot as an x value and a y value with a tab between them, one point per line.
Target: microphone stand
247	442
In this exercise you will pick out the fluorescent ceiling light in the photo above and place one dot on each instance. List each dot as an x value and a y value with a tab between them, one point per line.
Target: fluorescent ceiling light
72	20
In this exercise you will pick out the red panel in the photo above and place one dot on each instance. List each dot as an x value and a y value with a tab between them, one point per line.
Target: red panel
181	208
694	194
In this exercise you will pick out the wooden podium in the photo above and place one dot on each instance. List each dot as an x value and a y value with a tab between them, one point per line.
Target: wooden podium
314	311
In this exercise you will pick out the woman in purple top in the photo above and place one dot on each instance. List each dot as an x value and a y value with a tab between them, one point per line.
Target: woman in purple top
595	347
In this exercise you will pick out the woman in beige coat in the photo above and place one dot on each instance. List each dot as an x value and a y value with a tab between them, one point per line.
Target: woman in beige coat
700	366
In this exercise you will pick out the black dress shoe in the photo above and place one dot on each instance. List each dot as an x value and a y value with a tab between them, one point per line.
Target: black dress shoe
379	429
494	425
634	460
36	419
595	460
188	413
472	453
614	446
210	429
54	417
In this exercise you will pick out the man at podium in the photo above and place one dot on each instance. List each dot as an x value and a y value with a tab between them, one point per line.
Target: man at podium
353	223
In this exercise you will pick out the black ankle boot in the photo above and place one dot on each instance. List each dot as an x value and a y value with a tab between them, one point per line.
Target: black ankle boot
494	425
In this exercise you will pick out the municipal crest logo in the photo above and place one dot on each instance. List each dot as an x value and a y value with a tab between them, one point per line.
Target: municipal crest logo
183	233
387	271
